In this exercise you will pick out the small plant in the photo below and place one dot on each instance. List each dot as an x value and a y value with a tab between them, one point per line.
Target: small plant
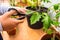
40	16
47	21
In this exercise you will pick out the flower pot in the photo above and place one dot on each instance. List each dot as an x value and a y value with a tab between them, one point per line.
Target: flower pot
38	24
48	37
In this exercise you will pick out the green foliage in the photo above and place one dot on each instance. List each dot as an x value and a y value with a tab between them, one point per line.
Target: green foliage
56	6
46	21
34	0
58	15
56	23
29	12
33	3
49	31
46	1
35	17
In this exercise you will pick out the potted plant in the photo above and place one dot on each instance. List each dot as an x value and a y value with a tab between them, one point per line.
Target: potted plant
40	18
35	6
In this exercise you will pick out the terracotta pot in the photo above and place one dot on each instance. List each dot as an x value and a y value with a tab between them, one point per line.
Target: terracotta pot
24	32
48	37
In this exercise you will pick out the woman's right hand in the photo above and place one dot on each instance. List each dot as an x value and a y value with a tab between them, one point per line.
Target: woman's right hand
9	23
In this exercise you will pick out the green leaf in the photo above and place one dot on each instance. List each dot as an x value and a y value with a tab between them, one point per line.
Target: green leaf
35	0
49	31
28	12
46	21
46	1
58	15
56	6
30	2
56	23
35	17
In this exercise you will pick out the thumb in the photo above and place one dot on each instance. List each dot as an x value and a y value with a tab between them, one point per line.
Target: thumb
8	14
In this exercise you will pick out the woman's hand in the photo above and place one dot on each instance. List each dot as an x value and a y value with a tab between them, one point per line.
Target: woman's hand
9	23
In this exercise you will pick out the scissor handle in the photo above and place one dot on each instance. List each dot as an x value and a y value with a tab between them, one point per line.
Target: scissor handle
18	13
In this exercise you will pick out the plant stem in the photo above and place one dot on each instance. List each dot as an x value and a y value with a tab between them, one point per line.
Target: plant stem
58	36
54	35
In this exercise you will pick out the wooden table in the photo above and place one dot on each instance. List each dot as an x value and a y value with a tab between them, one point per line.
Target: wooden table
24	33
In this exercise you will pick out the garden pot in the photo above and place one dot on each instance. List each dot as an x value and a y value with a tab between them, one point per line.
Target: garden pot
38	24
48	37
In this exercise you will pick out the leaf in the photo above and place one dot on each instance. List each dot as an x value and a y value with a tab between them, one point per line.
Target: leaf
28	12
56	23
35	17
49	31
35	0
30	2
46	21
57	15
46	1
56	6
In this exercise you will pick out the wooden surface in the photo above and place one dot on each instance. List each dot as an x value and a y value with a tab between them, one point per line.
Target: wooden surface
24	33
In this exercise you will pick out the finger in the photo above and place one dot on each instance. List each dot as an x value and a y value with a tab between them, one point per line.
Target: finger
23	11
8	14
